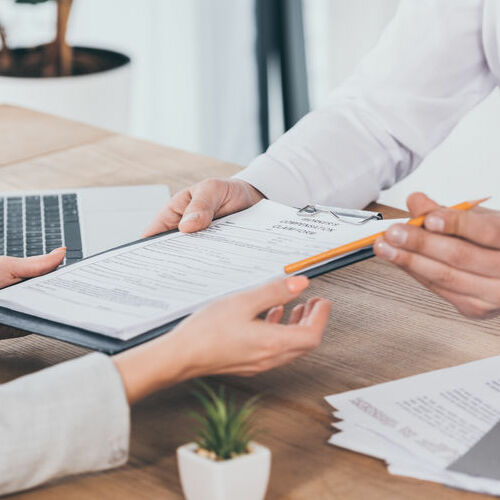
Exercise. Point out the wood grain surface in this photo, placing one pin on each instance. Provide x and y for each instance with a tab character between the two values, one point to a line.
384	326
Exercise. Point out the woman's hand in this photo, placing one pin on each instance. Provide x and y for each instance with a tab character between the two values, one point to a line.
456	254
195	207
228	337
14	269
231	338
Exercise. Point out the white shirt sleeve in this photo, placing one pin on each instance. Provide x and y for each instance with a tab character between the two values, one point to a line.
427	70
67	419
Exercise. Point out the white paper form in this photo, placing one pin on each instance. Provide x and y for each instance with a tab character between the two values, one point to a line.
439	426
436	416
402	463
131	290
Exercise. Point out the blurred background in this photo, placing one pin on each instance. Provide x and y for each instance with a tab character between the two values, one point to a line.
225	77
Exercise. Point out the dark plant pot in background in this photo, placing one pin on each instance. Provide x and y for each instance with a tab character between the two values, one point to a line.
97	92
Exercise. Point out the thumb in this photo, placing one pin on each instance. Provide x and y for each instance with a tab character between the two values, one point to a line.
35	266
198	215
273	294
206	199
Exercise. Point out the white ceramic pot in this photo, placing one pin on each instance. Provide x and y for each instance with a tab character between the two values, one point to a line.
101	99
241	478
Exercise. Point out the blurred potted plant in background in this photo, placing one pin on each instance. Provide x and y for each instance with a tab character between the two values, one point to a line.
224	463
83	83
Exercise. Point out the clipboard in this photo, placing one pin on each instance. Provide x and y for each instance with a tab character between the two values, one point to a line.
108	345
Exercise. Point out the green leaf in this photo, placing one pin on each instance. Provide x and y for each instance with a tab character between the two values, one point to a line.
224	428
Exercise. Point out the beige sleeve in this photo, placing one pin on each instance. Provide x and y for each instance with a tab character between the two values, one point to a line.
67	419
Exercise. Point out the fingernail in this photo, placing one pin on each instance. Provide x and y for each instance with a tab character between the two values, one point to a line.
397	235
385	251
296	284
189	217
434	223
59	250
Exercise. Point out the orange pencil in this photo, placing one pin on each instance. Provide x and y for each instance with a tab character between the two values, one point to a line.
364	242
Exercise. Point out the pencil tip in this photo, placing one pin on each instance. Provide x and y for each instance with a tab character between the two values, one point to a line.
482	200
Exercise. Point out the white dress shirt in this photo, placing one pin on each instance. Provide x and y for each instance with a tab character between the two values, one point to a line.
436	60
67	419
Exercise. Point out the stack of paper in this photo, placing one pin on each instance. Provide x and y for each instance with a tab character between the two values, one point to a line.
440	426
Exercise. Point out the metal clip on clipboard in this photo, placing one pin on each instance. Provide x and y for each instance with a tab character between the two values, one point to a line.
347	215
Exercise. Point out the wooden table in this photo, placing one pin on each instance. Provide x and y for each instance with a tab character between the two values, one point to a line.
384	326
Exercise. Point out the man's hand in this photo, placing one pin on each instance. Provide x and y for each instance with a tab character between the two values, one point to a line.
194	208
13	270
456	254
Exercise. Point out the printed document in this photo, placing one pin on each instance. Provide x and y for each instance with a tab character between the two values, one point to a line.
441	426
130	290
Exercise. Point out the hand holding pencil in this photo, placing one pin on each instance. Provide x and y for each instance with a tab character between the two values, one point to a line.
364	242
456	254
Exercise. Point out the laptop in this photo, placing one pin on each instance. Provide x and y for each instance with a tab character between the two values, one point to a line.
86	221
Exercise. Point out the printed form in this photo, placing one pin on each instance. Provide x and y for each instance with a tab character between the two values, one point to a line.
127	291
441	426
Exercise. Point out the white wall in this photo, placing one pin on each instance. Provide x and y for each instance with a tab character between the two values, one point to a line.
194	71
195	85
466	165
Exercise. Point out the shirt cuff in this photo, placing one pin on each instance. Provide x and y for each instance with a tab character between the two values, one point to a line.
276	182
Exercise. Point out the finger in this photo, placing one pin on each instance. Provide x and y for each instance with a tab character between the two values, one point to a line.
308	309
29	267
168	218
275	314
439	273
286	342
420	204
471	307
273	294
317	319
296	314
480	226
297	338
456	252
308	333
206	198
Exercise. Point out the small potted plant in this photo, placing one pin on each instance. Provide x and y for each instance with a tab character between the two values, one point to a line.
90	84
224	463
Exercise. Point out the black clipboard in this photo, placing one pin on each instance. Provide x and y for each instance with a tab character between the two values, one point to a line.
108	345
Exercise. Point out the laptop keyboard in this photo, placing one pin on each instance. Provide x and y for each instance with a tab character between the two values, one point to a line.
34	225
